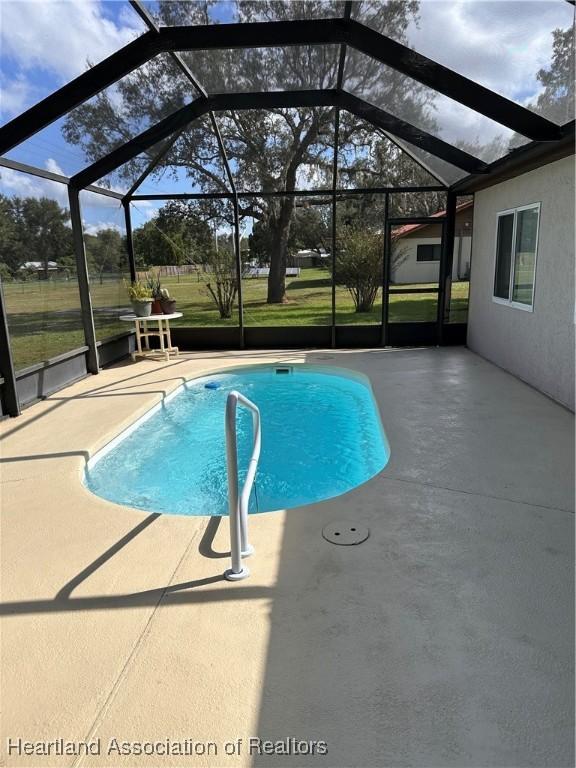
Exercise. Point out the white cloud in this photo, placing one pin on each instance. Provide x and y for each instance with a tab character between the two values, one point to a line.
17	184
458	123
146	209
93	229
501	44
17	95
94	200
61	36
53	167
47	43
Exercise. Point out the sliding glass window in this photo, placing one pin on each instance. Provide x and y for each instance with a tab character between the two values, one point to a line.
515	263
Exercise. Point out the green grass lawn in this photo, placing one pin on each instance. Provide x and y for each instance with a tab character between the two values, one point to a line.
44	317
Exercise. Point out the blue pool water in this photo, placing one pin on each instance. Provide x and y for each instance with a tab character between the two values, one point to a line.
321	436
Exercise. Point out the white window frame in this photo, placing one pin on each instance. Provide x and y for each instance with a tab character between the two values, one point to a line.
509	302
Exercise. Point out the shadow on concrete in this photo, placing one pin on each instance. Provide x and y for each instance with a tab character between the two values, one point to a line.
205	547
319	682
434	643
171	594
174	594
68	588
37	456
22	422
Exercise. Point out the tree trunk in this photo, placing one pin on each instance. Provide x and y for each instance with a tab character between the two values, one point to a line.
280	230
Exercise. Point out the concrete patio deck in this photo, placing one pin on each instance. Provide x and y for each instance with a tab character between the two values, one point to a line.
445	639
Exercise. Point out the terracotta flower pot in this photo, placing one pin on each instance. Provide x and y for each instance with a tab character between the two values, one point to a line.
156	306
168	306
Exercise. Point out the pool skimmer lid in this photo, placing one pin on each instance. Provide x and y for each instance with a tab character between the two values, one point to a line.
345	533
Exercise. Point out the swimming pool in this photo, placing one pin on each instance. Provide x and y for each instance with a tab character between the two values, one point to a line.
321	436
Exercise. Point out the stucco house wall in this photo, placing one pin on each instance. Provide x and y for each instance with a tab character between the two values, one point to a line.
407	269
537	346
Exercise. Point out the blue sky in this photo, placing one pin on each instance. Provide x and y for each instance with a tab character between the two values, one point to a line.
46	43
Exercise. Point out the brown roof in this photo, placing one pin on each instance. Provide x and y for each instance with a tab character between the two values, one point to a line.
408	228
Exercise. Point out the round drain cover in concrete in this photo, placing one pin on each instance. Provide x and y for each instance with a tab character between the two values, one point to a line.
345	533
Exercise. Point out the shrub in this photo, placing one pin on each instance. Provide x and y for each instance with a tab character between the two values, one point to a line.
359	265
5	272
223	288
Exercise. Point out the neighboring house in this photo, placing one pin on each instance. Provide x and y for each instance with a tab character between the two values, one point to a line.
41	268
309	258
521	313
416	249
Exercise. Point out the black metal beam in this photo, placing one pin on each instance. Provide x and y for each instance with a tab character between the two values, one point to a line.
259	34
404	130
291	193
92	362
193	80
144	14
334	211
9	392
165	40
445	267
198	87
160	155
275	100
78	91
444	80
238	259
187	114
141	143
129	240
223	153
373	44
152	26
386	261
342	58
43	174
403	291
339	81
271	34
185	196
412	155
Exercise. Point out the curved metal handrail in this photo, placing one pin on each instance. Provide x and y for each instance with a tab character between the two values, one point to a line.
238	506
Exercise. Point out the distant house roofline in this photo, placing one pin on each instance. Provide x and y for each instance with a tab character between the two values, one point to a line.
409	228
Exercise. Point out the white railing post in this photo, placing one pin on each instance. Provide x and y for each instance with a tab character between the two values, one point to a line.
238	506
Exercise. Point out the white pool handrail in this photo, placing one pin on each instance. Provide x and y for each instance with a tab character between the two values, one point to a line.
238	507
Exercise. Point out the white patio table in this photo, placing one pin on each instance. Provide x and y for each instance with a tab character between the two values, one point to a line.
144	333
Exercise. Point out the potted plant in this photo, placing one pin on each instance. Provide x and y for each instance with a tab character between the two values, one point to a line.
168	304
141	298
155	286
